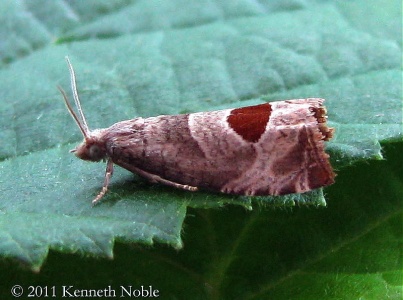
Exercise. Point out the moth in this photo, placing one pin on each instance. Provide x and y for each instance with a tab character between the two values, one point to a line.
274	148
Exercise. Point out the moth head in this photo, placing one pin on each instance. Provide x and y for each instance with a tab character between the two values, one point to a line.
91	149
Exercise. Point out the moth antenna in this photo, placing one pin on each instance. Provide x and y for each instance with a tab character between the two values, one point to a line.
75	95
72	113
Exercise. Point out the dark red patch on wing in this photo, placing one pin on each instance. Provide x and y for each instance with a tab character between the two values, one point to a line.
250	122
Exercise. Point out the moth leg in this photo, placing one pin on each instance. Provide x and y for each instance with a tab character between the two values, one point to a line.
108	175
158	179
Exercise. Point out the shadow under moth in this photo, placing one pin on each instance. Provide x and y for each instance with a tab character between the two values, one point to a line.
273	148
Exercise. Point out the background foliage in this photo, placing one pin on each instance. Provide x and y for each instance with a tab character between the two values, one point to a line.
144	58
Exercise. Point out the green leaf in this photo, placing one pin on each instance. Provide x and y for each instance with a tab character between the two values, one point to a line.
145	58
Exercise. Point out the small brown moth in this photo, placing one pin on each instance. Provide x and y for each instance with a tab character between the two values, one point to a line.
274	148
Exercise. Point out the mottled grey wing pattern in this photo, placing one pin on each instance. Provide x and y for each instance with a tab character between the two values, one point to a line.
202	150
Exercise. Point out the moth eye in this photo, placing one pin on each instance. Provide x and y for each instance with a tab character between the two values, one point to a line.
95	152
